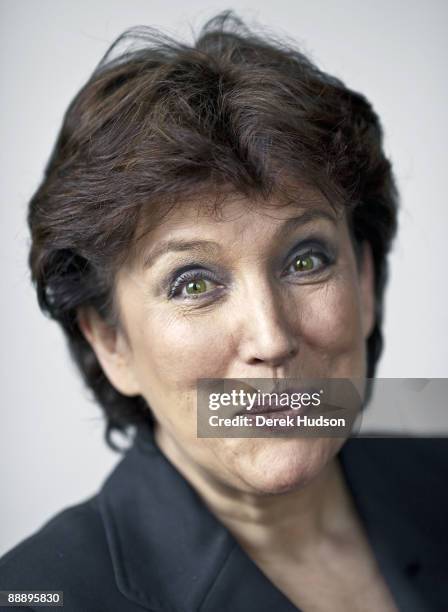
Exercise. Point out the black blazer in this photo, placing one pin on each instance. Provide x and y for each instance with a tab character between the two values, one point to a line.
147	542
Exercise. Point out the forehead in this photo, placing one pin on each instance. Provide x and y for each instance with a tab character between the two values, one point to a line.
233	217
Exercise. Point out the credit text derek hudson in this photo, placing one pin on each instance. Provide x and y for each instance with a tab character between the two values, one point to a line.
259	420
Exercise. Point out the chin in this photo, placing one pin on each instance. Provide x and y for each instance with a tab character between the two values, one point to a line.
279	466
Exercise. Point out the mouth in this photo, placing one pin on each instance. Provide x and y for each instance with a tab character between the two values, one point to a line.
289	404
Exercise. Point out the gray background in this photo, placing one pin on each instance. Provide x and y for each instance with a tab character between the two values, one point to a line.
51	448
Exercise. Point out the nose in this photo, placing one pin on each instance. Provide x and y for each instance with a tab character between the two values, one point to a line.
267	334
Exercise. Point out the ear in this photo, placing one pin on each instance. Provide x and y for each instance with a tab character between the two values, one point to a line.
111	349
367	288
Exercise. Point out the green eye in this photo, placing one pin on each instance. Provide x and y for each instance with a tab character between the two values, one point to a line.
196	287
304	263
309	262
194	283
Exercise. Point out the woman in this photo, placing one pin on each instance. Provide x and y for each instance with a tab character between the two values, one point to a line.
225	211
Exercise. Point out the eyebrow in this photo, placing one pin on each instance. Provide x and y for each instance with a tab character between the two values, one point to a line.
202	247
210	247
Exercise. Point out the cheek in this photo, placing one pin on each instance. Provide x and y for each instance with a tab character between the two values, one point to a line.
175	350
330	317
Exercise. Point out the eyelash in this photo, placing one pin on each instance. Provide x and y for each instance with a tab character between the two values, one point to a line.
193	273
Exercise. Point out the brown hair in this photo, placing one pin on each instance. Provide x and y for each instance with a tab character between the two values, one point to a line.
160	120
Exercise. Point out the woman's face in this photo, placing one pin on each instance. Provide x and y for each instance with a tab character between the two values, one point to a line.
257	293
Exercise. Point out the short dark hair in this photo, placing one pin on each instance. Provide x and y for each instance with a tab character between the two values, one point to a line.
159	120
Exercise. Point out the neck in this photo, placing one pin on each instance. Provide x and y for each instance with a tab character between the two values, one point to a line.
266	524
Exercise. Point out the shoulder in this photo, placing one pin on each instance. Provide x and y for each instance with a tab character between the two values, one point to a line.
69	553
72	539
49	540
